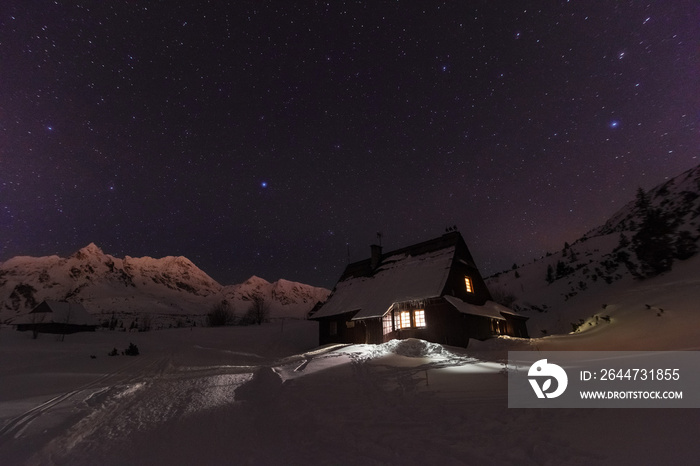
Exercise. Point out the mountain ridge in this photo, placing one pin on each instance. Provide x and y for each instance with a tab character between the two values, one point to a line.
170	286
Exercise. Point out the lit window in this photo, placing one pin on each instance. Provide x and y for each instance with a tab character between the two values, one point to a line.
386	324
419	318
405	320
468	285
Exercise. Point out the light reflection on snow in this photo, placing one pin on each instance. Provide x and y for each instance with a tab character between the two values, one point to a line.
214	391
480	367
130	390
396	355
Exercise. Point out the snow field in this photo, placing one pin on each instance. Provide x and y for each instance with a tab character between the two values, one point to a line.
266	395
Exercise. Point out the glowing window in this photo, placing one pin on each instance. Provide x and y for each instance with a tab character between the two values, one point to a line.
419	318
468	285
405	321
386	323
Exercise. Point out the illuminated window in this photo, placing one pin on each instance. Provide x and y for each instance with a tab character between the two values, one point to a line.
419	318
405	321
386	324
468	285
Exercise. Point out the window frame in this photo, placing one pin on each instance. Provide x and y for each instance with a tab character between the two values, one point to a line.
388	323
468	284
404	319
419	318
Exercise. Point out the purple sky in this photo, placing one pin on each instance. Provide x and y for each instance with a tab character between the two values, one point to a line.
269	138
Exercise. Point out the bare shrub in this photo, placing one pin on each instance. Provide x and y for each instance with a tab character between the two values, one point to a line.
221	314
258	312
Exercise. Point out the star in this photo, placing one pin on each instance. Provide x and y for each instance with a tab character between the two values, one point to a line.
399	114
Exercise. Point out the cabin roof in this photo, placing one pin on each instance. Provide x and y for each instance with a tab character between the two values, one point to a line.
489	309
416	272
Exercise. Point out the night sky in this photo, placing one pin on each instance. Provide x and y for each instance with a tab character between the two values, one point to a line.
276	138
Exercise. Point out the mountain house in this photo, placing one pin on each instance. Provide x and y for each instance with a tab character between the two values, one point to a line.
57	317
431	290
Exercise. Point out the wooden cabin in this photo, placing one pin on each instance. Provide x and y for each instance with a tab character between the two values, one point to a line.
432	291
59	317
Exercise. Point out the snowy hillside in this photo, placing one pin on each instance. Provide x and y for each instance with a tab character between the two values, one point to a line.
679	198
653	240
169	290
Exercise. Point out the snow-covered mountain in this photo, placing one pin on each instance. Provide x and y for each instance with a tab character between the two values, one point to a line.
172	288
652	239
678	198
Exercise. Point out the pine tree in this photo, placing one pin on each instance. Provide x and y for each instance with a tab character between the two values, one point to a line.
550	274
624	242
653	244
642	204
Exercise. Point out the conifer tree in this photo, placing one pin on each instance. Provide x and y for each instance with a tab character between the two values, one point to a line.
653	243
642	203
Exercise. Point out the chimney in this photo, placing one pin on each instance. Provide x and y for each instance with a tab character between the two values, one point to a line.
376	255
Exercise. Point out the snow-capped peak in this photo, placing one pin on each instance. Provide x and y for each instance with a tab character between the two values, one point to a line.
256	281
172	286
90	250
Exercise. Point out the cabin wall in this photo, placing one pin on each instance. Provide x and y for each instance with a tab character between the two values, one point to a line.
477	327
443	324
373	331
341	329
516	327
463	266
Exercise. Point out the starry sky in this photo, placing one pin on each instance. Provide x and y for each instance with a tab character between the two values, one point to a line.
276	138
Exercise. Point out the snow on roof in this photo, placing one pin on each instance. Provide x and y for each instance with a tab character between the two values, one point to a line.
488	309
60	312
400	277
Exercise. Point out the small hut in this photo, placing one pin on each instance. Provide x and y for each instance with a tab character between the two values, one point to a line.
59	317
431	290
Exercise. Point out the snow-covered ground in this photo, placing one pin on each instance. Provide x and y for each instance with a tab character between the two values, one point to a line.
267	395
